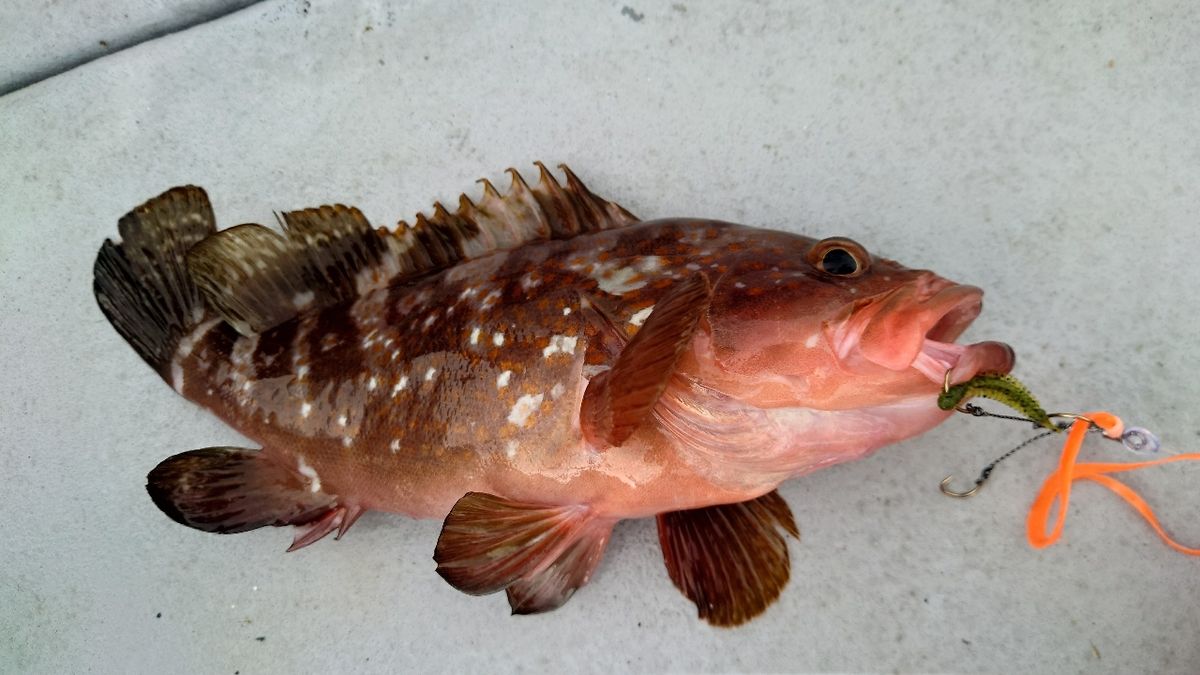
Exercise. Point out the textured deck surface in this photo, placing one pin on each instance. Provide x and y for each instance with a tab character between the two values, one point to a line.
1049	155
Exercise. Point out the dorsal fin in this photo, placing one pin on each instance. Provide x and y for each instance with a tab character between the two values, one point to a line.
257	279
250	275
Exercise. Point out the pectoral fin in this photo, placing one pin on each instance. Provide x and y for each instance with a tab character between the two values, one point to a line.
540	554
619	400
730	560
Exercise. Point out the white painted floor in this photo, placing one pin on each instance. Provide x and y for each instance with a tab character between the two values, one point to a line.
1050	154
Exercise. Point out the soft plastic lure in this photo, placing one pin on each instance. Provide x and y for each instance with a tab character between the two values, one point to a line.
999	387
1056	489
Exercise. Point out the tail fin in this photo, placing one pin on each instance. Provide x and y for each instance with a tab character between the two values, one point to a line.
142	284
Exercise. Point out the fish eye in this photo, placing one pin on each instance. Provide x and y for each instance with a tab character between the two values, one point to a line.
839	257
839	261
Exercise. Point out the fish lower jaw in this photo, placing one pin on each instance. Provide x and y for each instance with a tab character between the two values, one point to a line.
962	361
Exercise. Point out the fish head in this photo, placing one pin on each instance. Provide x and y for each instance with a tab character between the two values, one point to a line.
837	328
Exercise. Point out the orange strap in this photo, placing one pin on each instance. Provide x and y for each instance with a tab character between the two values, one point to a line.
1058	485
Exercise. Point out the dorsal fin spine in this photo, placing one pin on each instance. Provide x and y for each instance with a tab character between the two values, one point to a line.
332	254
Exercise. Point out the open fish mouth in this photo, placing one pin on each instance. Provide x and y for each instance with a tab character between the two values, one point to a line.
939	353
915	326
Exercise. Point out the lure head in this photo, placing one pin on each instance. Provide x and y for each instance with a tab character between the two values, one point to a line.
836	328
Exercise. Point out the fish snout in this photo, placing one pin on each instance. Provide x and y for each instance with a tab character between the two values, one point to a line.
927	285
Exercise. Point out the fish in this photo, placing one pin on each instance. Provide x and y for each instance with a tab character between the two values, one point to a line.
532	368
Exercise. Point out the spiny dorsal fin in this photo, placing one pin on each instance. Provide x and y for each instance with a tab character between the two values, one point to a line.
257	279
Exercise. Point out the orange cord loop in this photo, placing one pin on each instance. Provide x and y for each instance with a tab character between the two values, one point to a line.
1057	487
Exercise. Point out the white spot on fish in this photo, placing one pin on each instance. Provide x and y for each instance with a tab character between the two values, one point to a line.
523	408
639	317
498	339
177	376
305	409
528	281
395	445
246	385
430	319
621	281
692	266
342	420
401	385
489	299
302	300
812	341
372	383
302	372
346	441
650	263
566	311
560	343
475	335
189	341
309	473
469	291
503	378
510	449
430	373
557	390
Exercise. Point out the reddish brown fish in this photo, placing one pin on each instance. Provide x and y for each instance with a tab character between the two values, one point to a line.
532	368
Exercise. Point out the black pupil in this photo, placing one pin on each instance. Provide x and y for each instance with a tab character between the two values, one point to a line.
839	261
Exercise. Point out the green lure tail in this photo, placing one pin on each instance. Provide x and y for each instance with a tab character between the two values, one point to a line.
1002	388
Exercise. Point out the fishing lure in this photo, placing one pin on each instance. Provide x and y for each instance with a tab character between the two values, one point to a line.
1000	387
1056	489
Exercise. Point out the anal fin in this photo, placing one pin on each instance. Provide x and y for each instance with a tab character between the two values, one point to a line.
730	560
227	490
539	554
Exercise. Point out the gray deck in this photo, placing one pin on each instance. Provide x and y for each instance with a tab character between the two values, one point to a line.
1050	155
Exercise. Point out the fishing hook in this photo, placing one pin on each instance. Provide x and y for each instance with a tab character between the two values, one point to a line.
956	494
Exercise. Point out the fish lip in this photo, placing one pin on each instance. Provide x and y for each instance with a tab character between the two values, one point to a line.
940	355
960	305
940	310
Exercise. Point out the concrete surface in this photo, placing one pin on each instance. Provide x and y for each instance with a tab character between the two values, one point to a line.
1048	154
41	38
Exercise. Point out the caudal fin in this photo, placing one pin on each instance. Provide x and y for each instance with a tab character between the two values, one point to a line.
227	490
142	283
